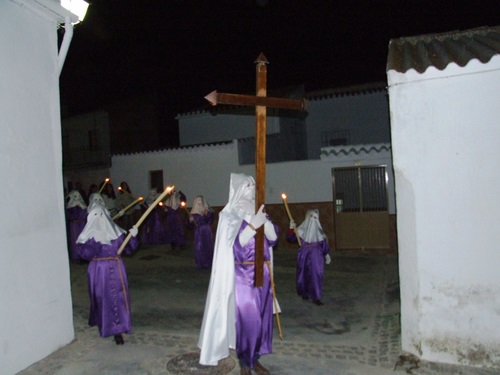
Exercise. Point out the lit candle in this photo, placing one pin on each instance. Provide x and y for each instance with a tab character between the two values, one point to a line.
183	204
102	187
283	196
129	207
144	215
124	191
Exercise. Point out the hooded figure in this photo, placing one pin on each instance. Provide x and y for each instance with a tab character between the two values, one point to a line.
76	215
312	255
99	243
200	219
96	198
152	231
124	199
175	228
237	314
152	196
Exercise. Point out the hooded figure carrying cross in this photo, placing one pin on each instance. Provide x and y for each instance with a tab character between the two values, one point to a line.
239	306
238	315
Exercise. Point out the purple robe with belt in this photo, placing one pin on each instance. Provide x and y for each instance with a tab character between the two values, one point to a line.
310	268
175	229
77	218
203	239
254	305
108	285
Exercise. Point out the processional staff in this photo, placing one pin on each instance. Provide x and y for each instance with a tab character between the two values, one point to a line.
128	207
144	215
283	196
104	184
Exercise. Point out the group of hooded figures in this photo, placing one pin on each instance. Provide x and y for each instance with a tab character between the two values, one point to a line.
164	225
238	315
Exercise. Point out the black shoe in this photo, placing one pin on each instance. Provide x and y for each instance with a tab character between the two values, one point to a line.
119	339
318	302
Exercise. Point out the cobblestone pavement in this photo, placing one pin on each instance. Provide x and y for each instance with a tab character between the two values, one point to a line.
356	332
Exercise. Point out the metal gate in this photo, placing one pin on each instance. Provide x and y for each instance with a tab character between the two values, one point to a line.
361	217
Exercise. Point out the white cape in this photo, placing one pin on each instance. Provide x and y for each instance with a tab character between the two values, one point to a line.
218	329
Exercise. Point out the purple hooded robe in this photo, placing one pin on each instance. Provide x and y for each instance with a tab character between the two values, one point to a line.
203	239
107	277
237	314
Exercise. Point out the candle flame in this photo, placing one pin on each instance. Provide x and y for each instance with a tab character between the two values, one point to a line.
283	196
140	198
169	189
119	188
104	184
183	204
160	204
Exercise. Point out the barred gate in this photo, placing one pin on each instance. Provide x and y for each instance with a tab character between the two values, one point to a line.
361	218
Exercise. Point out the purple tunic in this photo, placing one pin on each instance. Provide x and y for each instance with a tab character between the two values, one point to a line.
108	285
310	269
175	229
203	239
77	218
152	231
254	305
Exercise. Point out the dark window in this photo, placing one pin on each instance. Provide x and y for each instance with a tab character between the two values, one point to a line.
360	189
335	138
156	180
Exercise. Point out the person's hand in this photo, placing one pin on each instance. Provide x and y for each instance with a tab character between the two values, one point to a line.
292	224
258	219
121	213
133	231
191	218
328	260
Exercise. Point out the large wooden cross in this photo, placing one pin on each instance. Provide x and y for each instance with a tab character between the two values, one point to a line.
261	101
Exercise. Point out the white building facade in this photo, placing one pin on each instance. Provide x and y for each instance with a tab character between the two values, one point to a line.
35	301
445	133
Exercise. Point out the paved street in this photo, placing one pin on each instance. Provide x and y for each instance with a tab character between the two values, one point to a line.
356	332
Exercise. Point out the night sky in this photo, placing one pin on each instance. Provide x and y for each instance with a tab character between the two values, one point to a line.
180	50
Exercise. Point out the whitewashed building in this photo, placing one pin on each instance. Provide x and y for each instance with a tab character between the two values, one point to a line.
445	124
35	300
351	115
311	175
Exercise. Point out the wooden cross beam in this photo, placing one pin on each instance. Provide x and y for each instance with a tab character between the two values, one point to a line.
261	102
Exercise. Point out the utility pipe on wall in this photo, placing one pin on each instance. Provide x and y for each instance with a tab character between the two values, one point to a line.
68	35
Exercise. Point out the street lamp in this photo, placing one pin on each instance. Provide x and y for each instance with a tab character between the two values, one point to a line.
77	7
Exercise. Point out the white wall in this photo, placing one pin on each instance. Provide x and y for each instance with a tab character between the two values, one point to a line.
205	170
445	141
35	300
193	170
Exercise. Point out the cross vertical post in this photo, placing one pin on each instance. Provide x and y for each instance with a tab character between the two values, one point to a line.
260	163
